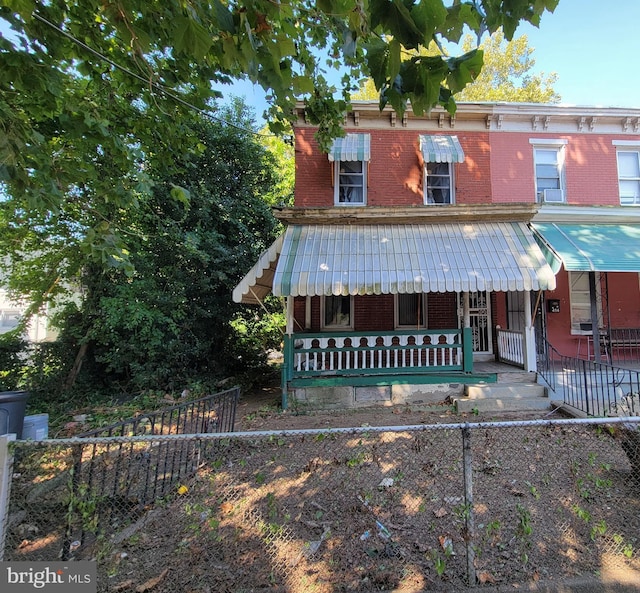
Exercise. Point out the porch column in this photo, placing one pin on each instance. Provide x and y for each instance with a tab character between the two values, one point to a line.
289	316
529	344
466	316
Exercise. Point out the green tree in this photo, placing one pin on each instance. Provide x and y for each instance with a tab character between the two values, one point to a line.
94	95
507	73
172	320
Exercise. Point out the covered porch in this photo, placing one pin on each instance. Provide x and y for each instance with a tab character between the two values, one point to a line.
369	268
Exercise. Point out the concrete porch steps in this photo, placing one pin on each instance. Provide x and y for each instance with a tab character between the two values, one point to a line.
514	396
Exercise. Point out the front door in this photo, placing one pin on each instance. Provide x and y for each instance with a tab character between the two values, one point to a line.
480	316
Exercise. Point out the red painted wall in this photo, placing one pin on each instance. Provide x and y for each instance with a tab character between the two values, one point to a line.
591	169
624	310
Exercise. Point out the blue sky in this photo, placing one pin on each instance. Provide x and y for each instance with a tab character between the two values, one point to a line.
593	46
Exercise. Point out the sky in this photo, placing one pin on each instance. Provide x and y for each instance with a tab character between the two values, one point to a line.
592	45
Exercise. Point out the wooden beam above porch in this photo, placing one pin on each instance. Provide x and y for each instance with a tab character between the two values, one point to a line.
408	214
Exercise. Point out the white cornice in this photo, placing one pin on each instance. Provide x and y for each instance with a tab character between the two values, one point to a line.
500	117
583	214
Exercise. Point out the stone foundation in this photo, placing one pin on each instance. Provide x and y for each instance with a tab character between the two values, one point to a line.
347	397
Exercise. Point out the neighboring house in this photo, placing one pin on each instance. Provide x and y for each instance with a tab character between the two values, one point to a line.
10	313
420	246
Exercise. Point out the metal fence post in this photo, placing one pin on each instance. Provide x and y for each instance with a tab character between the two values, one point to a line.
6	471
587	395
469	536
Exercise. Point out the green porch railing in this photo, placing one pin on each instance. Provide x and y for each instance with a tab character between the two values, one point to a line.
377	353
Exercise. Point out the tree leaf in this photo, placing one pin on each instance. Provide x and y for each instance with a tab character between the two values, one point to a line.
191	37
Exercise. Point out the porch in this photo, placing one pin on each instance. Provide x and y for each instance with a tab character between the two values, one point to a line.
428	367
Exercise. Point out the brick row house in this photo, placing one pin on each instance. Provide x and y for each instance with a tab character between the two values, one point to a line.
420	247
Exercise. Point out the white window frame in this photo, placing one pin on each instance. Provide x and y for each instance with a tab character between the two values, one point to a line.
9	319
559	147
580	301
629	147
396	307
338	325
452	185
337	185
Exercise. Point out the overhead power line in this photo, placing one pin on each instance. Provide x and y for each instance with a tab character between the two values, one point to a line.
155	85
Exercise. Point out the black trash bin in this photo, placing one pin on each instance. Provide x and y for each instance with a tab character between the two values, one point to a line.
12	408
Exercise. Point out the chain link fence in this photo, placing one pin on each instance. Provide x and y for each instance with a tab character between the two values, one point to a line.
434	507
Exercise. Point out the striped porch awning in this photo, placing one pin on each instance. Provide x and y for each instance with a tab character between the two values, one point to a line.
353	147
590	247
325	260
441	149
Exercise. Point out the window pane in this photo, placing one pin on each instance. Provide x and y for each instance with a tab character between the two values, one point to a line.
547	157
9	319
628	165
337	311
629	192
410	310
351	194
580	299
351	182
547	171
544	183
438	183
351	167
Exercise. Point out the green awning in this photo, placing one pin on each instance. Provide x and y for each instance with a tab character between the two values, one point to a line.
441	149
353	147
590	247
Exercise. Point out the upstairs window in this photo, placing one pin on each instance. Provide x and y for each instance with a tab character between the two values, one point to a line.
629	177
350	156
439	154
549	168
351	187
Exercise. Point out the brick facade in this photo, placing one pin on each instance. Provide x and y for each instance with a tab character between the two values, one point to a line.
498	168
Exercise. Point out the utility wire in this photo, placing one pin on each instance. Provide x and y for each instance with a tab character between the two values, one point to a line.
153	84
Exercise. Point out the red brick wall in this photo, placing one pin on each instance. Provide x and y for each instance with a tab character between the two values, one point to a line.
376	312
498	168
394	172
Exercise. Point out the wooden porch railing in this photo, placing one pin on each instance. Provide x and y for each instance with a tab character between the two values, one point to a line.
511	347
373	353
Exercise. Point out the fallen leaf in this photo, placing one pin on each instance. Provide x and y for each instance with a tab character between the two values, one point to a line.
447	545
535	576
441	512
486	577
151	583
226	507
123	585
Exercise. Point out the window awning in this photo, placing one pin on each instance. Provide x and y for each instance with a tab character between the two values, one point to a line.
329	260
353	147
590	247
441	149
